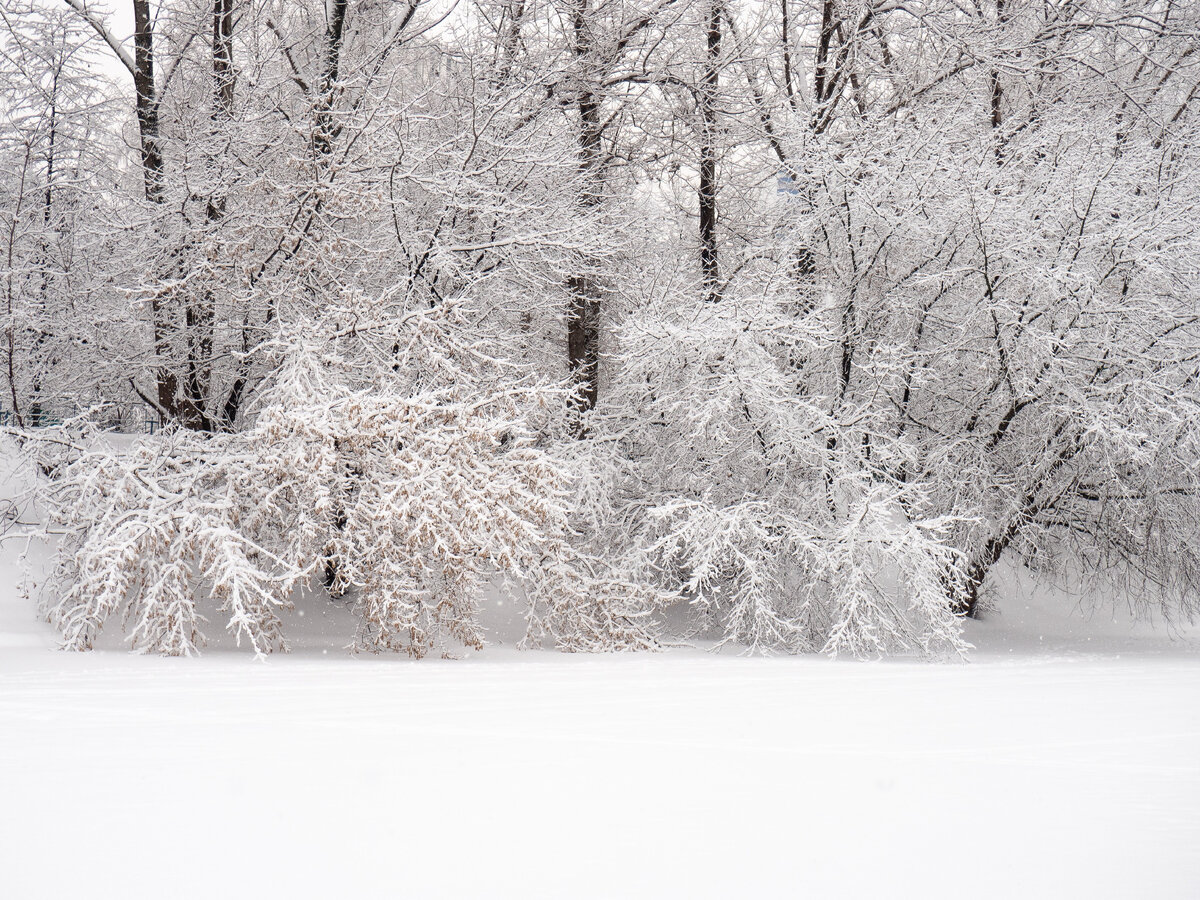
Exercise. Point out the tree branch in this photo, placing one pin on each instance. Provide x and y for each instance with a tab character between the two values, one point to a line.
98	25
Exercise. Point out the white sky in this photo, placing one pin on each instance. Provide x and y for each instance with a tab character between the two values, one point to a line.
118	16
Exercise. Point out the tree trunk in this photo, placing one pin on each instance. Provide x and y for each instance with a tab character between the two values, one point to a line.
710	267
146	103
200	312
996	90
153	181
583	309
509	37
324	131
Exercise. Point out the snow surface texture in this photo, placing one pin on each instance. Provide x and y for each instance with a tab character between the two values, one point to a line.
1063	761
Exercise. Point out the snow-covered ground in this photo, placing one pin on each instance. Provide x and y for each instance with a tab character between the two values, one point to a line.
1063	761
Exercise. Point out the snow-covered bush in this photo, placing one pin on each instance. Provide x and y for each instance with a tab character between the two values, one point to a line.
409	486
740	492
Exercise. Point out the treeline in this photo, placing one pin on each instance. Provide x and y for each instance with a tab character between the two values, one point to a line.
802	313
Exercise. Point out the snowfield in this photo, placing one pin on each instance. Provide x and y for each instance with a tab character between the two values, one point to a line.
819	315
1063	761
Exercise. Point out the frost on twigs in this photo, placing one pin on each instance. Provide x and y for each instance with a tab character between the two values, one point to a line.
866	582
409	488
745	497
578	604
885	579
146	529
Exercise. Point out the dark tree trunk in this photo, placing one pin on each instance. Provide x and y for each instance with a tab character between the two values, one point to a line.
200	313
583	344
788	78
36	410
824	80
146	102
583	309
153	180
324	130
224	80
710	267
996	89
509	37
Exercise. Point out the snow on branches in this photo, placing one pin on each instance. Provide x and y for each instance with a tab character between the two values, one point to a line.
141	527
752	502
610	310
408	491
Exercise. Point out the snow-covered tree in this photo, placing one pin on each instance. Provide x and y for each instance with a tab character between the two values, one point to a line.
802	315
412	485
